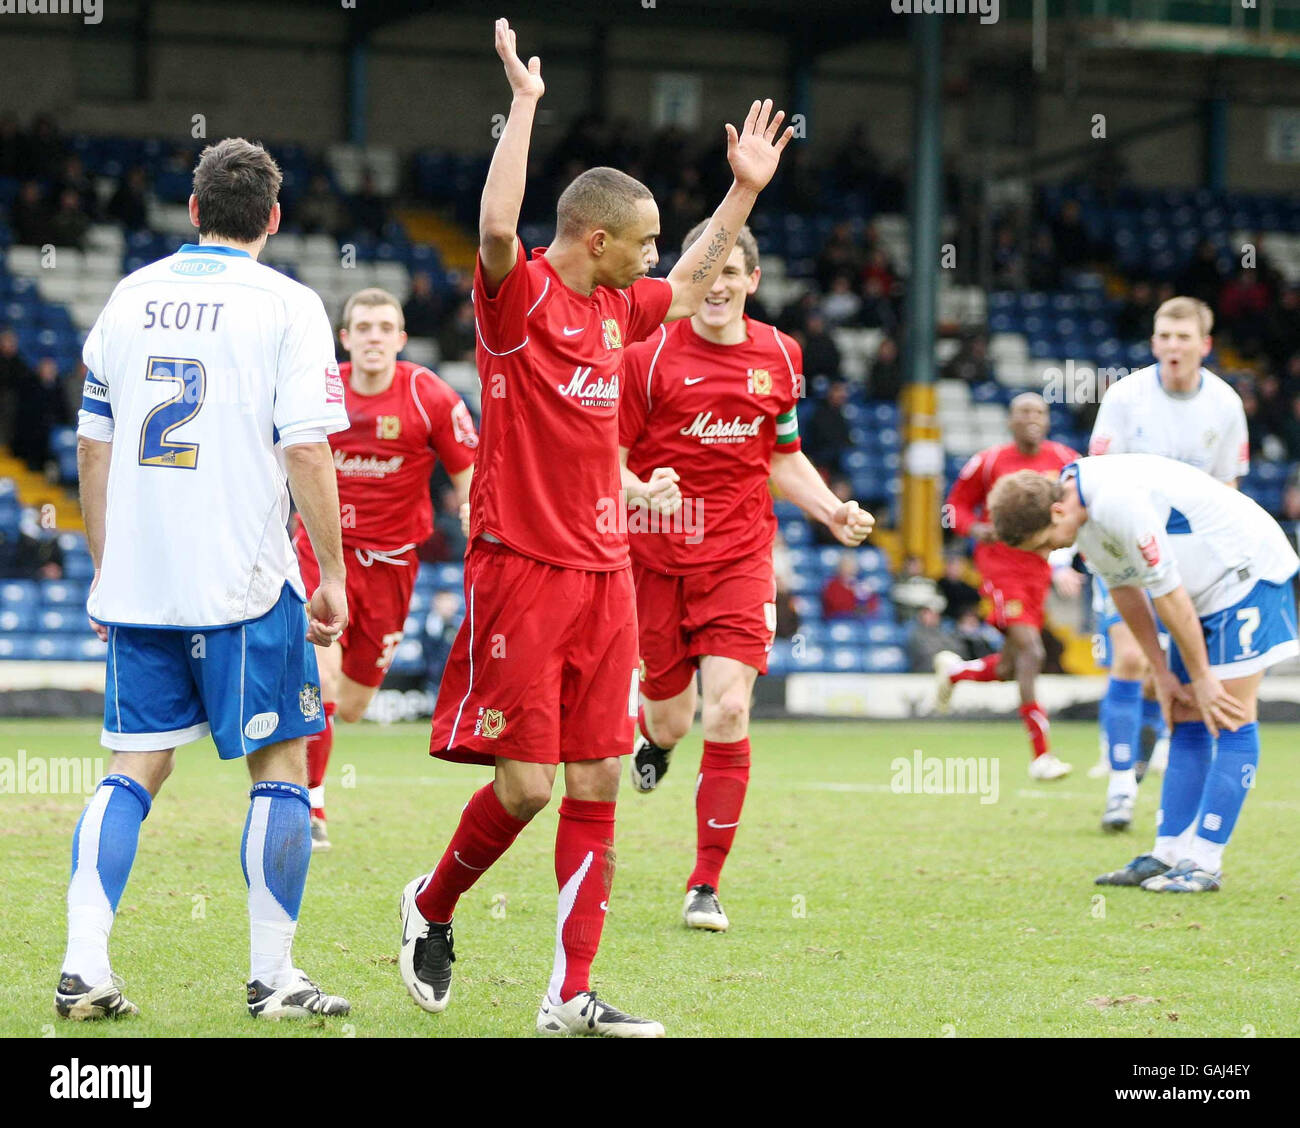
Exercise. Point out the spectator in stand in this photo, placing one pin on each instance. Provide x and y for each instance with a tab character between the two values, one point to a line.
841	305
796	182
976	639
423	307
927	636
913	589
971	361
885	381
839	256
1256	429
456	340
72	177
958	595
787	618
794	317
440	627
15	374
369	208
1009	271
879	270
69	224
826	438
821	355
1243	303
844	596
1201	277
130	203
1135	317
321	212
40	409
1291	502
448	525
1044	268
1282	328
878	309
29	217
37	554
1290	431
1073	246
73	385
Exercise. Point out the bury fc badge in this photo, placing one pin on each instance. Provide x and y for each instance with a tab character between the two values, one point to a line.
760	381
613	337
309	701
491	722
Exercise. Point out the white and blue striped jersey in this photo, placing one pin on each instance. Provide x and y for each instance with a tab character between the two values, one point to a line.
1157	523
1206	429
199	369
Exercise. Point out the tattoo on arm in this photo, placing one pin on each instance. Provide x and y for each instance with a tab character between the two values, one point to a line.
711	255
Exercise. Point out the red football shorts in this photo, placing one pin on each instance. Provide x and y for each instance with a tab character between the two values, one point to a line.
1015	597
544	666
728	611
379	597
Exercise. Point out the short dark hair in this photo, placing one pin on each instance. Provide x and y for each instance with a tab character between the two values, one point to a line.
599	198
1020	504
236	183
744	240
369	297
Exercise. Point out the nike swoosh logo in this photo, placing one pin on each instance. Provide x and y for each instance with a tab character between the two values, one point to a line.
572	332
604	906
723	826
406	916
695	381
463	862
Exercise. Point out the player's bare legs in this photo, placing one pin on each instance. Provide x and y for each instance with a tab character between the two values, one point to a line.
329	663
662	725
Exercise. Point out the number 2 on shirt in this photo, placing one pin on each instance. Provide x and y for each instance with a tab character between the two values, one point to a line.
191	380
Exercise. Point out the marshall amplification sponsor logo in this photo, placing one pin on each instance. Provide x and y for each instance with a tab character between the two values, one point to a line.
368	467
589	392
723	430
490	723
760	381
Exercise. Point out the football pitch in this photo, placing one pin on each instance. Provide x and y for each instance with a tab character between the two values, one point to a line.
858	906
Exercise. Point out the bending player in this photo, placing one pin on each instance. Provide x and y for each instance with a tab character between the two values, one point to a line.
544	668
1220	574
196	590
1178	409
1014	582
401	419
710	402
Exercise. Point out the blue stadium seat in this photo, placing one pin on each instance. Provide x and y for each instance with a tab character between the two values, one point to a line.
847	659
886	660
778	659
449	575
57	648
90	649
420	601
811	658
56	593
19	592
19	617
807	608
63	621
796	532
408	658
886	634
18	647
845	632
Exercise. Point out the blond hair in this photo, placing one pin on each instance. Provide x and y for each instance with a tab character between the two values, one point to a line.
1185	308
1021	504
372	296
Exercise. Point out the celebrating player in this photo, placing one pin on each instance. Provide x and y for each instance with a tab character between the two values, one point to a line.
1015	582
1178	409
1220	573
710	403
402	418
216	376
544	668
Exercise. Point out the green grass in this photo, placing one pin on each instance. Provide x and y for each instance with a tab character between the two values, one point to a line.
855	910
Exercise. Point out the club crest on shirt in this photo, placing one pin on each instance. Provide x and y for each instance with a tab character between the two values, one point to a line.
760	381
613	335
1013	608
309	701
388	426
490	723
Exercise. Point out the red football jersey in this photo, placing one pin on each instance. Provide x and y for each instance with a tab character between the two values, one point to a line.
385	457
968	501
550	361
710	412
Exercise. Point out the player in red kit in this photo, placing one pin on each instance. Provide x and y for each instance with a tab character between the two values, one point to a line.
707	418
402	418
1015	582
544	669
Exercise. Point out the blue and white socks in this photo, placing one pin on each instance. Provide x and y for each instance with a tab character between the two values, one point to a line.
1121	713
275	852
1191	751
1230	778
103	851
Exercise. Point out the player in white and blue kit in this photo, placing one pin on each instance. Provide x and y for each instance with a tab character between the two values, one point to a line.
1181	410
211	379
1221	576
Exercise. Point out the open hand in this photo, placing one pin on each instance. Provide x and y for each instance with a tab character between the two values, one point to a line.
755	152
524	80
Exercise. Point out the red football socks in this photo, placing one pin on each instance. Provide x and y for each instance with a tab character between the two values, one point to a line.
485	832
1038	725
319	747
584	871
719	796
981	669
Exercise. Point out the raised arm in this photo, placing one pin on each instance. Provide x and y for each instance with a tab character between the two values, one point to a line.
503	191
753	155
